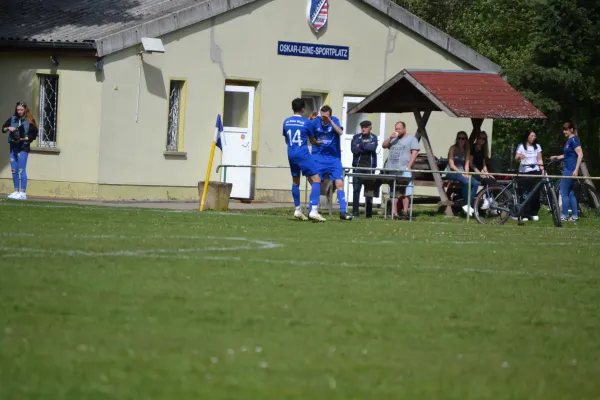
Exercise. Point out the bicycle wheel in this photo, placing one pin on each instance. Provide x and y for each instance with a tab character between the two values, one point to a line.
588	200
496	209
544	200
553	203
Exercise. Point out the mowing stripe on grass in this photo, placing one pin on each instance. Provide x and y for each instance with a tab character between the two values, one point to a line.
253	244
315	263
272	244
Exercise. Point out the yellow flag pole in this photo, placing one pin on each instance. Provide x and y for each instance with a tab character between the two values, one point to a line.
210	161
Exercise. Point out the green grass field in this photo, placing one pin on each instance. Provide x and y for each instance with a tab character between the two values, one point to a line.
111	303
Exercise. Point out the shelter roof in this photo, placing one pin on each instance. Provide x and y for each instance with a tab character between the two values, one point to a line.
462	94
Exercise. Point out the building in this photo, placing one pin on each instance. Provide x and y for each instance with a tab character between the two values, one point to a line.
121	123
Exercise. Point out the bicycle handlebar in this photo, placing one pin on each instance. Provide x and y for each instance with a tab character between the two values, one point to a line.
531	165
548	162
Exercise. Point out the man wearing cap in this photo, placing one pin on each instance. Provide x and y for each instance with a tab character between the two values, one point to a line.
364	150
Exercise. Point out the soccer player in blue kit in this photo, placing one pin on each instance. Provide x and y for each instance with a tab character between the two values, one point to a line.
297	131
328	155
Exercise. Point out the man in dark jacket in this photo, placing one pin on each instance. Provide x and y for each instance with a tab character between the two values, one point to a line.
364	150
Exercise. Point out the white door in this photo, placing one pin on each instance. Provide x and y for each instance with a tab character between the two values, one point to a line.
351	123
238	116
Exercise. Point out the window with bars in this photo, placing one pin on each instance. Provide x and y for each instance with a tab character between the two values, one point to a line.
48	112
175	111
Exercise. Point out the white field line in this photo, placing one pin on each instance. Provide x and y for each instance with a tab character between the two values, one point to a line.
270	243
251	244
576	243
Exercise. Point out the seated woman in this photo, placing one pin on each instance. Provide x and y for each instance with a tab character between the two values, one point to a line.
480	153
458	162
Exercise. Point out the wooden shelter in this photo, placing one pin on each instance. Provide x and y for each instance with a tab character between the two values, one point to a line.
460	94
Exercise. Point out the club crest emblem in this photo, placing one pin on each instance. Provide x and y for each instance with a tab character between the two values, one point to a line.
317	13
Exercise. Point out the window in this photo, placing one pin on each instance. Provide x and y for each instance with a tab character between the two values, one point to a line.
48	113
174	131
314	102
236	107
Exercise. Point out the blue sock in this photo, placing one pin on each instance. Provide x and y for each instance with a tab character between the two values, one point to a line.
341	195
296	195
315	195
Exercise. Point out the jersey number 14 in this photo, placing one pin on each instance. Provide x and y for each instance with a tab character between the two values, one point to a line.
296	139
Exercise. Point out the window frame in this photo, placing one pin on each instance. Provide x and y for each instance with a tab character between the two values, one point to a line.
41	114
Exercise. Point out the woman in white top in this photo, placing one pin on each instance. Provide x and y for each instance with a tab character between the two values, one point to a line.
530	155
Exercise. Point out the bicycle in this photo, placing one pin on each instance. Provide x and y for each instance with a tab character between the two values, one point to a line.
500	202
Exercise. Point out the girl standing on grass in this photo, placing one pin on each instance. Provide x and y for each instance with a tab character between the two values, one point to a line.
572	156
22	130
529	153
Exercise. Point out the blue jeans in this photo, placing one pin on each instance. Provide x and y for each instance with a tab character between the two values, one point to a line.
18	166
568	195
465	185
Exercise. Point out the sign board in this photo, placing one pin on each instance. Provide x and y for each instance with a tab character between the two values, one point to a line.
313	50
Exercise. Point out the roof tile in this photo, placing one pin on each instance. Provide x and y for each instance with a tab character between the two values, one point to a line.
476	95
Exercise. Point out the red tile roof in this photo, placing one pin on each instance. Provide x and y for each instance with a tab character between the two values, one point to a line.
462	94
476	94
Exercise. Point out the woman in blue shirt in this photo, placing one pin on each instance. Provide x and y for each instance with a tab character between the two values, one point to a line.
572	156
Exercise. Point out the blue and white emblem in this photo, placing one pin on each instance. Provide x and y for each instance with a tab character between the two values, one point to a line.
317	13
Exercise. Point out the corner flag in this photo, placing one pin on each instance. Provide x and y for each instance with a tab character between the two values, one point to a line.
216	143
219	132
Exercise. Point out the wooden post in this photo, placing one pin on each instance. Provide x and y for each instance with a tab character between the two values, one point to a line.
583	169
422	133
477	122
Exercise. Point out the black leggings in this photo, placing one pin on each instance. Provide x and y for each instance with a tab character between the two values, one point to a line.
526	185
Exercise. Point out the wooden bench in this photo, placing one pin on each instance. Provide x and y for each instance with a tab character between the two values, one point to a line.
449	188
372	184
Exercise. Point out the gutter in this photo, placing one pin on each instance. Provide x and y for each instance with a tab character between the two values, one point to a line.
89	46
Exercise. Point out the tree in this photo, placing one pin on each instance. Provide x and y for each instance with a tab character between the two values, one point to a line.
549	50
566	65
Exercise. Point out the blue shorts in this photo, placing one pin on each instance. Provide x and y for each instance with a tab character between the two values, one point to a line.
331	166
304	163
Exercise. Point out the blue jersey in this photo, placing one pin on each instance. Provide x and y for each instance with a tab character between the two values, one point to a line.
329	138
297	130
570	155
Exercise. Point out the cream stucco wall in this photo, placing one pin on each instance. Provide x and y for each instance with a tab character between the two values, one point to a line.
102	143
78	123
244	45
